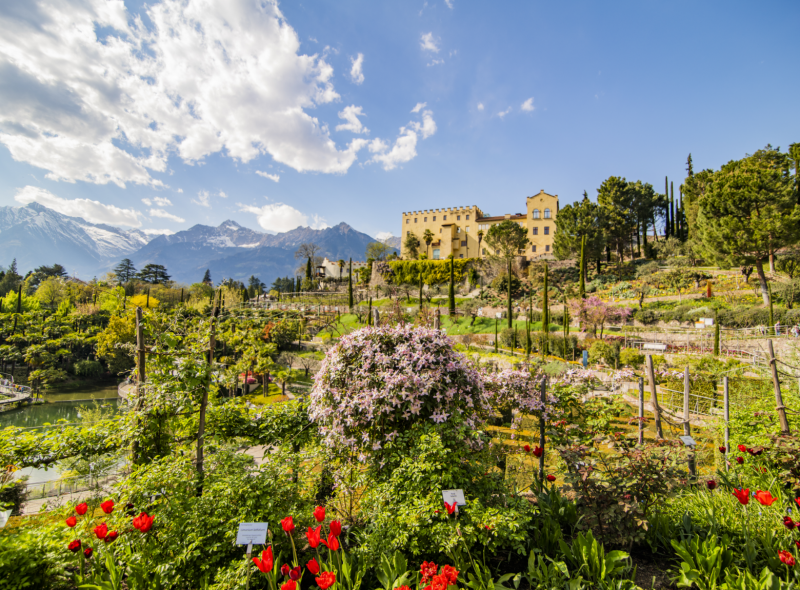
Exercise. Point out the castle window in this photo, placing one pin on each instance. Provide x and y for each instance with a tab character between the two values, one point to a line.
461	256
483	251
547	248
467	229
463	243
415	220
408	221
445	217
459	230
535	231
436	252
536	214
547	230
434	218
458	218
547	213
467	217
425	220
533	248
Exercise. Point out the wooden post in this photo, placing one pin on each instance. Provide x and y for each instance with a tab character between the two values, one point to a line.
201	426
777	384
641	410
687	426
542	428
726	400
654	397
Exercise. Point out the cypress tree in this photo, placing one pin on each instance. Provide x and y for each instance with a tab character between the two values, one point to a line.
420	290
369	312
181	295
452	293
350	287
545	316
508	282
716	335
308	269
672	207
582	284
666	197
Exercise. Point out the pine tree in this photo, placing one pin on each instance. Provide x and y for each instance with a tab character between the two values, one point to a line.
689	166
125	270
207	277
350	286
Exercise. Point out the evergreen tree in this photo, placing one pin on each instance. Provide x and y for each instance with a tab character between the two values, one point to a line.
508	239
716	323
672	209
154	274
689	166
616	198
666	208
575	222
350	286
207	277
749	210
125	270
451	296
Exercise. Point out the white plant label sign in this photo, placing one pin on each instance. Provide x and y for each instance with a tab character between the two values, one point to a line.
688	441
252	533
456	496
4	518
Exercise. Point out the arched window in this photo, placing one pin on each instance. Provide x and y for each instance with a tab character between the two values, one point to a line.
547	213
536	214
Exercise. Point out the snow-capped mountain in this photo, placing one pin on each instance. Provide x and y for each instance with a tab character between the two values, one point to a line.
36	235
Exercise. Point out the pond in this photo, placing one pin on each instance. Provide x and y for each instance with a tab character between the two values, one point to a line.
58	406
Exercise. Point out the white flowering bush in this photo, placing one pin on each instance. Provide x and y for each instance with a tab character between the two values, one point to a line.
378	383
519	390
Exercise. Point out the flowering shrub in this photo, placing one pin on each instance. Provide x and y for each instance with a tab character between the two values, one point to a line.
518	391
377	383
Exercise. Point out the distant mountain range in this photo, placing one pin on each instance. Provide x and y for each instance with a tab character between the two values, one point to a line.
36	235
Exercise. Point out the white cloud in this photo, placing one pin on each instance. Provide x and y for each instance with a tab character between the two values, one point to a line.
280	217
203	199
419	107
92	211
158	232
435	62
384	235
429	43
502	114
274	177
351	115
94	93
405	146
180	190
356	72
527	106
222	194
165	215
449	4
160	201
480	106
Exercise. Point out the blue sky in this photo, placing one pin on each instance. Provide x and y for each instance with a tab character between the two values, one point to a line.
162	116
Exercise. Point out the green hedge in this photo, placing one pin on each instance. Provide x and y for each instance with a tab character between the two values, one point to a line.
433	271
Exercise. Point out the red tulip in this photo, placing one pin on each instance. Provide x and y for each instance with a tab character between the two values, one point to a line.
326	580
742	449
266	562
765	498
313	567
319	513
450	507
403	588
294	573
788	522
285	569
722	449
111	537
332	543
71	521
101	531
527	448
288	525
74	546
797	543
81	508
742	495
551	477
451	574
108	506
797	501
289	585
428	570
755	452
739	460
787	558
87	553
336	528
313	536
538	451
143	522
711	484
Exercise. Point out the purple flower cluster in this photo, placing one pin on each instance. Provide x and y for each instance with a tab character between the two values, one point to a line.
376	382
518	390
